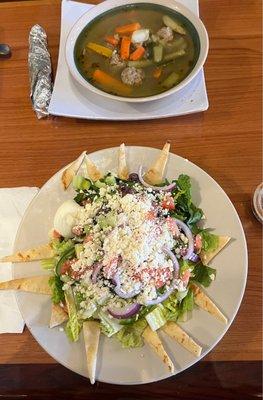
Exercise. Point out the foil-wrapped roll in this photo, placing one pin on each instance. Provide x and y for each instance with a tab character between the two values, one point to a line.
40	71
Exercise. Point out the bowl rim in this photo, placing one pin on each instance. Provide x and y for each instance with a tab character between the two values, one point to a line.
107	5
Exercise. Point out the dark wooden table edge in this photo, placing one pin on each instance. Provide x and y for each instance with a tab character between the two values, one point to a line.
206	380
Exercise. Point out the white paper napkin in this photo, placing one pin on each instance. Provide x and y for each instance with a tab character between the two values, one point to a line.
13	203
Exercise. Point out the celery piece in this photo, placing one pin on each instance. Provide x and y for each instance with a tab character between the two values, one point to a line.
140	63
171	81
175	26
158	53
102	221
172	56
99	184
78	249
111	219
87	229
110	180
77	181
81	183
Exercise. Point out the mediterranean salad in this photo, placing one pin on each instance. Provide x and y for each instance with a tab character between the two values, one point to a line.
127	253
128	257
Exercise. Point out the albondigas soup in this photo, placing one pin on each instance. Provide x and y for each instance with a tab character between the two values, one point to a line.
137	50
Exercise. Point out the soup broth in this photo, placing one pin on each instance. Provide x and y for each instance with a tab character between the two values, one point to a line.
137	50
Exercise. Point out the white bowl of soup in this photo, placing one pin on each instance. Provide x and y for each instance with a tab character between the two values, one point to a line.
136	51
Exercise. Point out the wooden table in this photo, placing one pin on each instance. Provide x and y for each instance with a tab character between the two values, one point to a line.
225	141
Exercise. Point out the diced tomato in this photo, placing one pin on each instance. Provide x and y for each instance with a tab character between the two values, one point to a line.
66	267
78	274
77	230
56	234
111	268
198	243
185	276
168	203
88	239
159	276
150	215
172	226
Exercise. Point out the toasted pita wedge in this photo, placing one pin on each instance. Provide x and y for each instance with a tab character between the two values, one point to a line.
123	172
33	284
155	343
176	332
58	316
72	170
206	257
92	170
156	172
91	332
37	253
203	301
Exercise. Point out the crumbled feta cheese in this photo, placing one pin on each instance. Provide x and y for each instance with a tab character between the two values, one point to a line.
133	246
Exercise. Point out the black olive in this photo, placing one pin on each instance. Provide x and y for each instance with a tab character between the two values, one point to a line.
124	189
134	177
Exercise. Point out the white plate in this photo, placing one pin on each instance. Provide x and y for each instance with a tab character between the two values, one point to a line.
117	365
70	99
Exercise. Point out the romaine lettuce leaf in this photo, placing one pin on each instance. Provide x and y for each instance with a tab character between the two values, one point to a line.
171	307
187	304
109	326
61	247
184	184
210	241
130	336
156	318
49	263
73	326
57	292
203	274
195	215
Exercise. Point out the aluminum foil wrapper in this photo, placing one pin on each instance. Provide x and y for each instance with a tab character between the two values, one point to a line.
40	71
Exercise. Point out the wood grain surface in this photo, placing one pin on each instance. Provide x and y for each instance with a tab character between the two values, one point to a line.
209	381
225	140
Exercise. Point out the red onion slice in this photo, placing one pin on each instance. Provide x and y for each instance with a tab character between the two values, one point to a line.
118	290
125	312
96	269
116	279
194	257
161	298
174	261
164	188
164	296
189	236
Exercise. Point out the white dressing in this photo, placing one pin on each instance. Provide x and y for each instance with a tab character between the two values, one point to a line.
66	218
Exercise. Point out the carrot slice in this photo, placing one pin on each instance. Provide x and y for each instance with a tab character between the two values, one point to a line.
125	48
111	83
157	73
127	29
112	40
137	54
